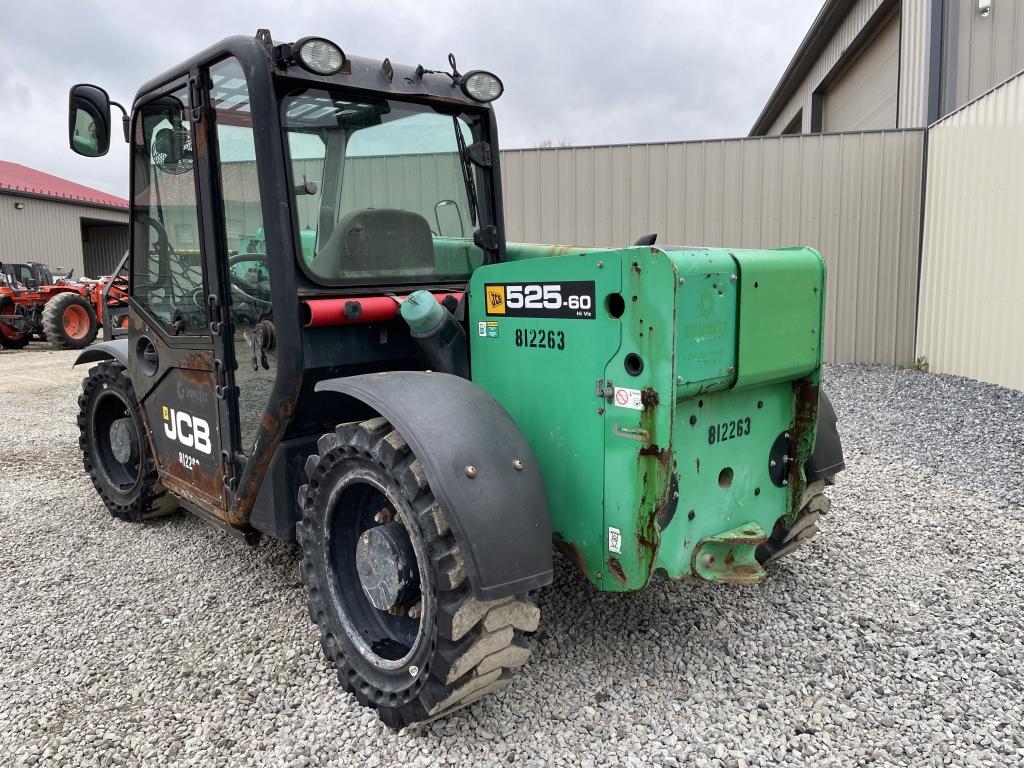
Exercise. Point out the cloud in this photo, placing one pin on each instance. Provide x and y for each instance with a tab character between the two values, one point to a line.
597	72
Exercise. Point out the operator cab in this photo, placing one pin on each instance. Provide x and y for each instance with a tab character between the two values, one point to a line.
282	196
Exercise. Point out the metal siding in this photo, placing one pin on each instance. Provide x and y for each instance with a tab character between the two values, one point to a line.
47	231
855	21
855	197
865	94
969	314
915	35
989	49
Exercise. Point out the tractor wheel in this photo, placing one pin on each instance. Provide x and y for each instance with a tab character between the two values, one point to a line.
69	321
786	538
387	587
12	339
115	451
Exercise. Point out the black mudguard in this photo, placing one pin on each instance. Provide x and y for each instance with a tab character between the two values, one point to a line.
105	350
827	457
500	514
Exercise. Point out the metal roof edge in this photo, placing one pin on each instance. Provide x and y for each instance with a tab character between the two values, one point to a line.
824	25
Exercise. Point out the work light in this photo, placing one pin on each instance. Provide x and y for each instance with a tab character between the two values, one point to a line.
319	56
482	86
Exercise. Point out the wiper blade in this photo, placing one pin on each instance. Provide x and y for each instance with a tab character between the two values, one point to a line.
467	171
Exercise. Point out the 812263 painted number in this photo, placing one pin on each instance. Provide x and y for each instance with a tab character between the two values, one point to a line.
728	430
538	338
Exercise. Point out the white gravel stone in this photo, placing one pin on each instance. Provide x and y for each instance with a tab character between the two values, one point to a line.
895	637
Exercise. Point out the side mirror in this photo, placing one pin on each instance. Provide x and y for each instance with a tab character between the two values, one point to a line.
89	120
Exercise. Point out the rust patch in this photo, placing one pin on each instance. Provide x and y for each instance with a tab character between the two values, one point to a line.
802	436
616	570
573	552
649	397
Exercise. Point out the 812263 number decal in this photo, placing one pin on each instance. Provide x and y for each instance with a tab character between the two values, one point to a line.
728	430
538	338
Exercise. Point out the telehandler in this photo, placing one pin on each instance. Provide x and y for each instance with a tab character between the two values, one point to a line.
421	406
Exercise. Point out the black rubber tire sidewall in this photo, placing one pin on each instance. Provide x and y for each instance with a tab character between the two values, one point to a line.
53	321
317	516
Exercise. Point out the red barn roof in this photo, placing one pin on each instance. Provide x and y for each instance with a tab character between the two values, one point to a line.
16	178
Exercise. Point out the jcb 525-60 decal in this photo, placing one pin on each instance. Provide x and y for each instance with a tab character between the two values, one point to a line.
573	299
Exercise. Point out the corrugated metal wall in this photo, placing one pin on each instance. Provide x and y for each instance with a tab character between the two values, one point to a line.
47	231
915	37
854	22
855	197
989	49
972	282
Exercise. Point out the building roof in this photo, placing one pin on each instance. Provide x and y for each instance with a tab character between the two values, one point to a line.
824	26
18	178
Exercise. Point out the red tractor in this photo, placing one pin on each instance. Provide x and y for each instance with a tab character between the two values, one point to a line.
57	309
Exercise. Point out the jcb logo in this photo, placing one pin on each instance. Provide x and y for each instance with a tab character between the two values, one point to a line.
190	431
495	299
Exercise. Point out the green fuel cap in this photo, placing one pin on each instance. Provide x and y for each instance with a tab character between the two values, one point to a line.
422	312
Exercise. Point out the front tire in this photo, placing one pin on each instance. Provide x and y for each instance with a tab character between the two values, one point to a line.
786	538
115	451
12	339
387	587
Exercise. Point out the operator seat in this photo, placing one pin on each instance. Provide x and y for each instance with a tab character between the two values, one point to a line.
377	241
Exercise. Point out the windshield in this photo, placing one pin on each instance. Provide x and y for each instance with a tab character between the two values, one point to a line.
383	193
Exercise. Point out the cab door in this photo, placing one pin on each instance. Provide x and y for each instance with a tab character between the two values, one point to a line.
176	349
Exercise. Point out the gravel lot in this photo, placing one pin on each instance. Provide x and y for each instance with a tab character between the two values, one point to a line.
895	638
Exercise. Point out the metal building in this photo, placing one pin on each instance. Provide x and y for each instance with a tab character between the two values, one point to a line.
57	222
878	64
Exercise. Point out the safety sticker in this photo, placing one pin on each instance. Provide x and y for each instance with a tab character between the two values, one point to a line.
629	398
487	329
615	540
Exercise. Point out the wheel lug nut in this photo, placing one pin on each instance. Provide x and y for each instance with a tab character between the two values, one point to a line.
470	471
414	611
518	465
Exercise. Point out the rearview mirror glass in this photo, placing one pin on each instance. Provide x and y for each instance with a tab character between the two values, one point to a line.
89	120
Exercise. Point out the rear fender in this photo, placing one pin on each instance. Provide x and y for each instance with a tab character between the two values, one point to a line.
827	457
468	447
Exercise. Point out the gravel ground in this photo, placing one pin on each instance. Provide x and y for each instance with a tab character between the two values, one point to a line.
895	638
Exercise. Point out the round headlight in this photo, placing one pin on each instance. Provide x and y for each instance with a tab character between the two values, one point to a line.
320	56
482	86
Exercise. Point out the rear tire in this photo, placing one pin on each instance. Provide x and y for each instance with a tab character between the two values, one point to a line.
115	451
786	538
69	321
437	648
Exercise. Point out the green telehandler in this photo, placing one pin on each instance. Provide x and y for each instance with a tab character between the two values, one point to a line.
423	407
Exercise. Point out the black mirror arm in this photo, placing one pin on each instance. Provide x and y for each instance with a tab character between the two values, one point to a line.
125	122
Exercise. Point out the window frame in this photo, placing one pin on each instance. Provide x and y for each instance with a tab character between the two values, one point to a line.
199	336
488	198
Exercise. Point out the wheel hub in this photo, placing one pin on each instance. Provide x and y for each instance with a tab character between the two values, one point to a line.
386	564
123	442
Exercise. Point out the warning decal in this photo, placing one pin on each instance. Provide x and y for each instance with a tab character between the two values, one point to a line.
615	540
487	329
629	398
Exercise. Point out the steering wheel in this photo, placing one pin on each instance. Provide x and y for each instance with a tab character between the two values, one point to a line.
246	288
163	242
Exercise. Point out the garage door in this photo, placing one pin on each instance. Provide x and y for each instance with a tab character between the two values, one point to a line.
864	97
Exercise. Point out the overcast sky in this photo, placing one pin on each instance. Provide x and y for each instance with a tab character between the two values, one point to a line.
579	71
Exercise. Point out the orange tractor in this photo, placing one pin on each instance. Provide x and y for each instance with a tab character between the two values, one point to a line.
67	313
